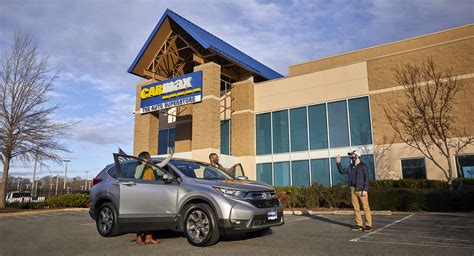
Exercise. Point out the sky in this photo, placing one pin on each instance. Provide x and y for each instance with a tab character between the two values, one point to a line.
92	43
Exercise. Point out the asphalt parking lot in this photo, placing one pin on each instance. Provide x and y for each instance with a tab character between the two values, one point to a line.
74	233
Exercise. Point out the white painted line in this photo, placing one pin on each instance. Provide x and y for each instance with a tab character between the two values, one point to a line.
440	245
424	237
380	229
291	221
87	224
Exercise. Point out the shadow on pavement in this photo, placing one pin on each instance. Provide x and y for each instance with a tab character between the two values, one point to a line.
327	220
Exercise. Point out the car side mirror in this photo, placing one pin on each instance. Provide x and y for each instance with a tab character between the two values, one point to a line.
168	178
242	178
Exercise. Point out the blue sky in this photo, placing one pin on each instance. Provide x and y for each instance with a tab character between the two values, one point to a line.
92	43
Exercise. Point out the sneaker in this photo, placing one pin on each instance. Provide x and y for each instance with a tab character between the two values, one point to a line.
357	228
368	228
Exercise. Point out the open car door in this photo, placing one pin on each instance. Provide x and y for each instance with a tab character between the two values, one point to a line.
237	172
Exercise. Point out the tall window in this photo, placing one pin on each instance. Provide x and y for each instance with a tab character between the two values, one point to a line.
166	140
369	161
359	116
263	134
414	168
300	173
225	137
338	128
281	142
320	171
338	178
264	173
465	166
318	131
299	129
282	173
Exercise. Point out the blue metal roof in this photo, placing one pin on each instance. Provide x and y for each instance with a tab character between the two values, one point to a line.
209	41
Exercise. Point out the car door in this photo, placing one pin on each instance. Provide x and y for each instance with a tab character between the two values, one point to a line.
236	171
144	200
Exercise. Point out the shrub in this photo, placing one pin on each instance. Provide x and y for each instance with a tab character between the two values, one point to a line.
70	200
396	199
445	200
410	183
341	197
28	205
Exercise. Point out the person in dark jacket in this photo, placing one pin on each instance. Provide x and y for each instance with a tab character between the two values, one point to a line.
359	183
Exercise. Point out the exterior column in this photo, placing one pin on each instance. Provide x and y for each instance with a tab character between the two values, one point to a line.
243	126
183	141
206	114
146	127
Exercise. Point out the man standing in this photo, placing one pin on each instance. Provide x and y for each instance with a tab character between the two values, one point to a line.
214	161
359	183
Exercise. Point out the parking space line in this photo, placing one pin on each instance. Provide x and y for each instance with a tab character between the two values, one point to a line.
387	233
380	229
450	245
87	224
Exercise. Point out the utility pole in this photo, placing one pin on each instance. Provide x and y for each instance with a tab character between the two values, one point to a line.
18	184
34	178
57	181
65	173
85	183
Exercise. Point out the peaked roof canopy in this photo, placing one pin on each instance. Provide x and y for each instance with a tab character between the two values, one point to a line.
178	34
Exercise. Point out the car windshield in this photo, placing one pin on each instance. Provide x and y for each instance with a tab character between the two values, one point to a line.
200	171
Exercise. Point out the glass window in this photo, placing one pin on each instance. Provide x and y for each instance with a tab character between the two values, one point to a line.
414	168
300	173
280	131
163	142
338	129
338	178
465	166
359	118
263	134
299	129
264	173
225	137
200	171
282	173
318	130
369	161
320	171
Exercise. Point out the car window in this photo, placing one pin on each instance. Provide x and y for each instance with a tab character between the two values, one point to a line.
112	172
200	171
137	169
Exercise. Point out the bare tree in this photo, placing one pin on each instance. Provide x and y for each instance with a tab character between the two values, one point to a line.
27	130
426	122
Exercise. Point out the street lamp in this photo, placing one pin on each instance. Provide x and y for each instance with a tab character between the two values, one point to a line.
65	173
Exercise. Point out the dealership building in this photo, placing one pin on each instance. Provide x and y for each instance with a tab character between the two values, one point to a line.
201	95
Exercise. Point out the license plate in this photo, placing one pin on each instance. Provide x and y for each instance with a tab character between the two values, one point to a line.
272	215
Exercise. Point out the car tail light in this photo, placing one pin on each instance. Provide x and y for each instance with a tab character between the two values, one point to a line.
96	180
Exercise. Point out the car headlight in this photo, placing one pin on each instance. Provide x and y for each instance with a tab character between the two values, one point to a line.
234	193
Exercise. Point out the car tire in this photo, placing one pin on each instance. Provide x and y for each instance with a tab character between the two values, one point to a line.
200	225
107	220
259	232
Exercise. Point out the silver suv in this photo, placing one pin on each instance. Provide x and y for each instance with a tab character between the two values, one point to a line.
189	196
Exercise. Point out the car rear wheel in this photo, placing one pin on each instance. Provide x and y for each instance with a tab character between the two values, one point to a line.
106	221
200	225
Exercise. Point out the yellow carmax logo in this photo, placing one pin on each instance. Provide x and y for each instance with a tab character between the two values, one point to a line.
180	84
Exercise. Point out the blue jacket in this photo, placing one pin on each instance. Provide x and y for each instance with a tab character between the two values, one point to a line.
358	175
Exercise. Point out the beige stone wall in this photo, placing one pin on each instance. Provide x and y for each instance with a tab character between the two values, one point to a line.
381	50
206	114
145	136
328	85
243	119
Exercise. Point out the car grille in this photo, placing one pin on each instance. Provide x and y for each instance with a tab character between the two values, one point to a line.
263	199
261	220
265	203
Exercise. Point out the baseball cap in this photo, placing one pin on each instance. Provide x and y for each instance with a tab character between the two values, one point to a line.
355	152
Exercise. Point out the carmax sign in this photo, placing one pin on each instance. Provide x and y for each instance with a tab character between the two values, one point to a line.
171	93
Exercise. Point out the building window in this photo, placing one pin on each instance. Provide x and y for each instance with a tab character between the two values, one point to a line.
282	174
413	168
338	127
263	134
359	118
166	140
225	137
369	161
281	141
299	129
318	130
264	173
300	173
320	171
338	178
465	166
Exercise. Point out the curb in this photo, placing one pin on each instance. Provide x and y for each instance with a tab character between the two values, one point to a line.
27	213
337	212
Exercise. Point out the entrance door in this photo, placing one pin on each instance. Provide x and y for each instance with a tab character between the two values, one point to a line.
144	195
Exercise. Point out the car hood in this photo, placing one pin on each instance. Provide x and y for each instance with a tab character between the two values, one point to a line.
248	185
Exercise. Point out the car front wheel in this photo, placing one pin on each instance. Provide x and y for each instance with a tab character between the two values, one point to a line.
200	225
106	220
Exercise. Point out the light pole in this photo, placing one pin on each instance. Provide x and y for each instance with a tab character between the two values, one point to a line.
57	181
85	183
65	173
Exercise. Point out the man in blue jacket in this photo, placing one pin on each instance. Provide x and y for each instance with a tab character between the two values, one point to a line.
359	182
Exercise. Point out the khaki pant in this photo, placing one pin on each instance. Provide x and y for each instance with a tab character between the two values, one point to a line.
356	198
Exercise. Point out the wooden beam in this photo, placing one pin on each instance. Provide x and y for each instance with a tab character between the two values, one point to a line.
199	60
153	75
